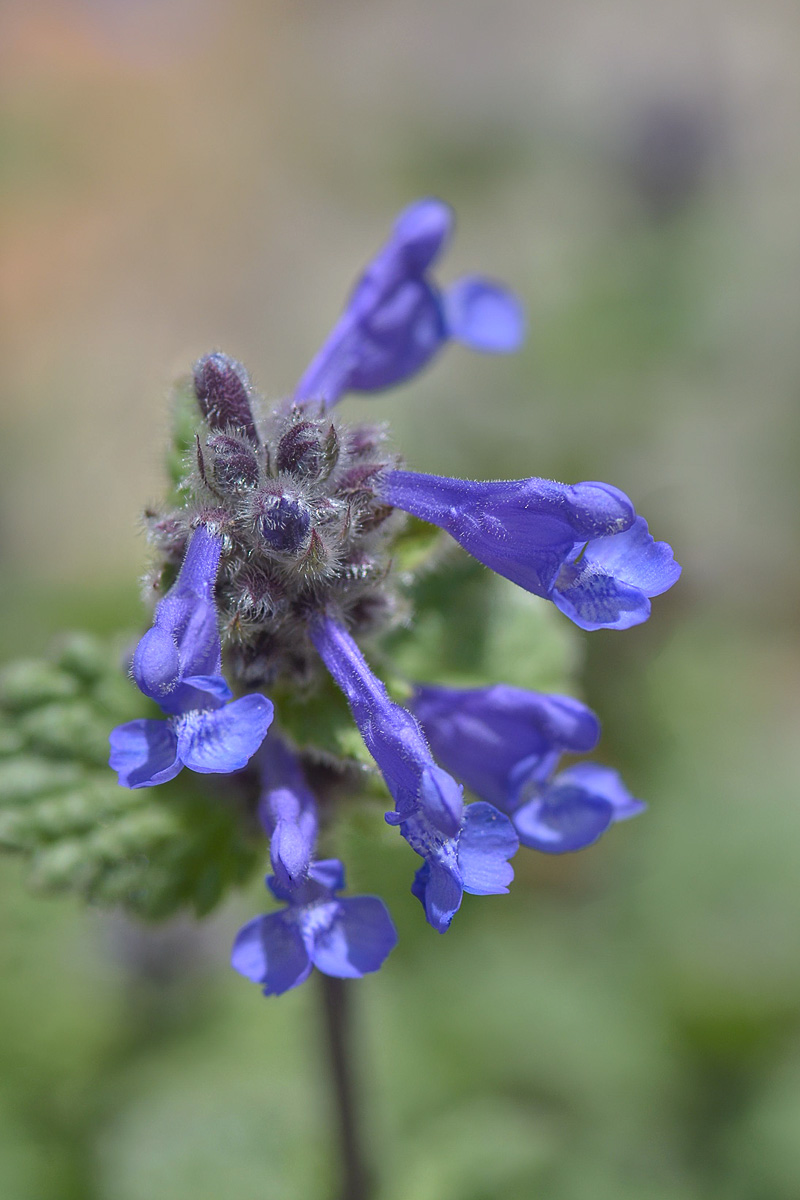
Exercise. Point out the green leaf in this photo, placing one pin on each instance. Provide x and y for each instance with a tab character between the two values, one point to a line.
26	683
152	850
321	724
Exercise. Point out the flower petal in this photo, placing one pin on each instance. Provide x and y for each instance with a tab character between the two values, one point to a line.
605	782
441	800
482	734
224	739
397	339
328	873
635	558
487	842
484	315
270	950
438	888
610	585
358	941
563	818
144	753
596	601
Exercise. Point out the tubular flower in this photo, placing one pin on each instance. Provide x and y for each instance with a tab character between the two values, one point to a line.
581	546
343	936
397	319
465	849
505	743
178	664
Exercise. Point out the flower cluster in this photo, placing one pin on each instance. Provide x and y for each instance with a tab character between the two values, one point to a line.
283	549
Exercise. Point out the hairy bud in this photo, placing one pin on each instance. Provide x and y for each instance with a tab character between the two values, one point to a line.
235	464
284	522
222	389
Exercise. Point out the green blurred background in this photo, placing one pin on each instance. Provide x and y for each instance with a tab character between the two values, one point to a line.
180	175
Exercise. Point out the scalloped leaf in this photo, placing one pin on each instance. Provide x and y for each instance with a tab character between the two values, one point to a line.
151	850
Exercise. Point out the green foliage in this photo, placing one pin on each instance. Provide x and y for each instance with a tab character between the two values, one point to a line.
150	850
471	628
185	419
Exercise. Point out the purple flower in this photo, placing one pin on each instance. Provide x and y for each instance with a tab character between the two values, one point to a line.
465	849
581	546
397	319
505	743
288	813
177	663
570	810
483	734
346	937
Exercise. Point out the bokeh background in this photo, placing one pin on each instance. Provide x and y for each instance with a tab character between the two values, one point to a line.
180	175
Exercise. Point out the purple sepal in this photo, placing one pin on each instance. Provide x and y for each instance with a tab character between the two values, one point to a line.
222	389
396	318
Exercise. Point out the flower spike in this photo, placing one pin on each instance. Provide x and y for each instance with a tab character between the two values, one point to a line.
397	319
581	546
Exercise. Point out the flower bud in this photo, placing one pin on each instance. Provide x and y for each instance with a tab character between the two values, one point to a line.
235	465
221	386
284	522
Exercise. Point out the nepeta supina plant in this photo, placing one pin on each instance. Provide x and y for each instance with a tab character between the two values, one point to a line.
277	565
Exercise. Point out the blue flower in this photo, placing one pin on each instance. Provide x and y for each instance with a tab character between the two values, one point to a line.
570	810
483	734
505	743
178	663
347	937
288	813
465	849
397	319
581	546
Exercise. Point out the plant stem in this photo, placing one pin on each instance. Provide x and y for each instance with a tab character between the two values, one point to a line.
356	1181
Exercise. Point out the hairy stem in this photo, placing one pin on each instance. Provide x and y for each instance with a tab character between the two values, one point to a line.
356	1180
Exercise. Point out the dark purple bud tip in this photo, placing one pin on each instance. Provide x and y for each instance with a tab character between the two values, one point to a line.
284	523
235	465
300	450
221	386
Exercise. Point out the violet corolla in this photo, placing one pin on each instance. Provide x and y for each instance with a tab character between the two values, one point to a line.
178	664
397	319
344	936
505	743
581	546
465	849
